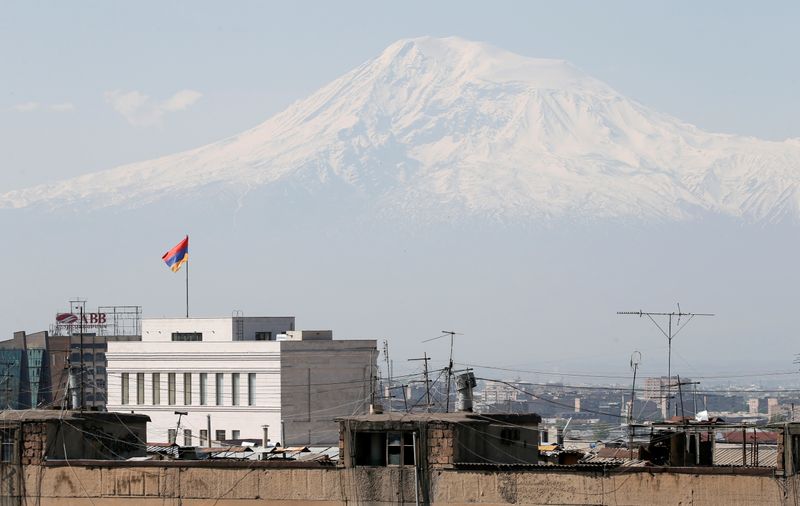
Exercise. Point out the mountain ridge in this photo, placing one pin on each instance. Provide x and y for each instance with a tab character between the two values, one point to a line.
448	124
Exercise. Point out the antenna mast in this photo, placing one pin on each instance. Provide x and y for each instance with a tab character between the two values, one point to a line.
425	359
669	334
452	334
636	359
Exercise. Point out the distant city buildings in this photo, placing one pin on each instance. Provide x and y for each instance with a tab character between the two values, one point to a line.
40	369
661	389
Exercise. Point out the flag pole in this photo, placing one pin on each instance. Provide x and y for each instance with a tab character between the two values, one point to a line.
187	285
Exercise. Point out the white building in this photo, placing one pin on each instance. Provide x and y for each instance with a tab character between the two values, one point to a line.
243	372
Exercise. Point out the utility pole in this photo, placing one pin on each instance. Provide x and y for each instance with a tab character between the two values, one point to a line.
425	359
80	383
452	334
669	334
636	359
680	394
388	387
178	426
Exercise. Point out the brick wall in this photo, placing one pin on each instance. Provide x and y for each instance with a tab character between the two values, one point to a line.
440	438
34	437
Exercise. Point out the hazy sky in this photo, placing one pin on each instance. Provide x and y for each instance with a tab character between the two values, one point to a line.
90	85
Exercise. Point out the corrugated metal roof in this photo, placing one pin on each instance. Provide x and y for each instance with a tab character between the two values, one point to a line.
732	456
596	459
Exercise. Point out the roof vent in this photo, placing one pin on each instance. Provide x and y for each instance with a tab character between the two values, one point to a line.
464	384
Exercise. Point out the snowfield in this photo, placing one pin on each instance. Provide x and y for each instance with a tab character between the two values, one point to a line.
433	125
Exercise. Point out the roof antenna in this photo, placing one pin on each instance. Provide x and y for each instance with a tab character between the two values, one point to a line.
452	334
669	334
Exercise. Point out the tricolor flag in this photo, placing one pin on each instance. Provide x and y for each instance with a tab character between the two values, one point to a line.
178	255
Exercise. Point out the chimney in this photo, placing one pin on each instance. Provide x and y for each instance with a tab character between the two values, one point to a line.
464	385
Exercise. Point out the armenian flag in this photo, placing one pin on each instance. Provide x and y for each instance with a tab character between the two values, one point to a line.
178	255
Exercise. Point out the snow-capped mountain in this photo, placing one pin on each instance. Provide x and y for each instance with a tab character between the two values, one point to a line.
433	124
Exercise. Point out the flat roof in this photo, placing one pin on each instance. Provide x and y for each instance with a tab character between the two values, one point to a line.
209	317
33	415
456	417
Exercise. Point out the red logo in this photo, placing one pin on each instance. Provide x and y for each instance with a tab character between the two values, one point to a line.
66	318
92	319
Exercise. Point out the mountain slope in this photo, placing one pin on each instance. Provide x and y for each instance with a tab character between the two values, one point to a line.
447	124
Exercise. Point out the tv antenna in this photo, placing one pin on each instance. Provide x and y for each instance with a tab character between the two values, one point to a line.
452	334
669	333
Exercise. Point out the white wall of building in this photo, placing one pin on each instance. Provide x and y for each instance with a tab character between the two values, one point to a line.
323	379
261	358
215	329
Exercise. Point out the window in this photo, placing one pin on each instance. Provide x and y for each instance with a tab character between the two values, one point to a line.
385	449
172	435
187	389
203	437
171	389
219	389
125	389
508	436
203	389
394	448
235	434
7	437
139	388
263	336
156	388
251	389
187	437
219	435
235	389
187	336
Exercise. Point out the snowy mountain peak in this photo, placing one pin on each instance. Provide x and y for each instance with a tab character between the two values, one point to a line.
448	127
459	59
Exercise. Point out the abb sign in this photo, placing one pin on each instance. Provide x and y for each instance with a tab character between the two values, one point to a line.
95	319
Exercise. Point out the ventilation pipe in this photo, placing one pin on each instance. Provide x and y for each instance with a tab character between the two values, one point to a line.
74	393
464	385
265	435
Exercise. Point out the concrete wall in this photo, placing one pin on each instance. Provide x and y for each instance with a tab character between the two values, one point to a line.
320	381
249	484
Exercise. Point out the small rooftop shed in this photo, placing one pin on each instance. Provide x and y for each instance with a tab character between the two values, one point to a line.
438	439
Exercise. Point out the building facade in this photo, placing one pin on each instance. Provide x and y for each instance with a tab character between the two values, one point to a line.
228	378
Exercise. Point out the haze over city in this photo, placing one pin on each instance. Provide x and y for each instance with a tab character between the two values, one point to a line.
517	173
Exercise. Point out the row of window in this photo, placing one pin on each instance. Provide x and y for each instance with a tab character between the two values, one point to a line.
188	395
198	336
219	435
